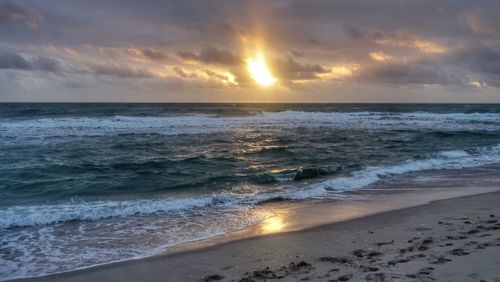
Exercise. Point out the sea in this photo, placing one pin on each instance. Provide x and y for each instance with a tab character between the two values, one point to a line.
89	184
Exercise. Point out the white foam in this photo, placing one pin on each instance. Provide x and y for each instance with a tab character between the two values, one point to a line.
457	159
93	210
203	124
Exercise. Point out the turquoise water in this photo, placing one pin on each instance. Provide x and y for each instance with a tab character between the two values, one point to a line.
85	184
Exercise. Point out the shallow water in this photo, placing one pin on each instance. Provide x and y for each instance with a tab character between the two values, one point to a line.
84	184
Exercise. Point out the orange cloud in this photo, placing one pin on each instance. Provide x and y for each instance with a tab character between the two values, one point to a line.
380	56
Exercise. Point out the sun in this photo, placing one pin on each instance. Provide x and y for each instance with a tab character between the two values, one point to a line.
259	71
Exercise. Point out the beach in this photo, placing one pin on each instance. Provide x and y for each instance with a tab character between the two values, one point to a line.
284	140
85	187
454	238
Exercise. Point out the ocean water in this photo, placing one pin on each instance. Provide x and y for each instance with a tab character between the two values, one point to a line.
87	184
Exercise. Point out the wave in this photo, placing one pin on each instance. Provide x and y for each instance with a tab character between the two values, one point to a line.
457	159
19	216
206	124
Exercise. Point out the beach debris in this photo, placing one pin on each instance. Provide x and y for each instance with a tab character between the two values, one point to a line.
376	277
346	277
417	256
299	265
396	261
268	273
336	260
422	248
385	243
423	229
213	277
428	240
426	270
370	269
459	252
265	273
440	260
472	231
374	254
358	253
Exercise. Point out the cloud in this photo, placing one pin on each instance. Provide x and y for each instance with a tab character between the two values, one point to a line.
184	73
11	12
405	39
358	33
212	55
379	56
120	71
289	69
484	21
16	61
226	78
297	53
46	64
153	54
482	61
415	72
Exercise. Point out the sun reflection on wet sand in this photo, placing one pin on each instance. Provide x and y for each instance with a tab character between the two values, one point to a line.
274	224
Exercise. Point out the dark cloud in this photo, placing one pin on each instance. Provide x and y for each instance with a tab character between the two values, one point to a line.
120	71
418	72
212	55
153	54
358	33
482	61
16	61
13	12
290	69
46	64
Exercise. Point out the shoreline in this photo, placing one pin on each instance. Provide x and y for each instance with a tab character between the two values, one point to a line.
155	268
303	214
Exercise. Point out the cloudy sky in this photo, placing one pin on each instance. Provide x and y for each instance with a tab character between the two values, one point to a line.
199	51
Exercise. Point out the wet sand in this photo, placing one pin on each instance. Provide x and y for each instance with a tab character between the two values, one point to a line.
455	239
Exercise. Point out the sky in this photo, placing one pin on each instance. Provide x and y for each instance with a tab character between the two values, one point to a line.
316	51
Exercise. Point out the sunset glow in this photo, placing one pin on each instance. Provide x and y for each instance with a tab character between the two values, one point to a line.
231	130
259	71
250	52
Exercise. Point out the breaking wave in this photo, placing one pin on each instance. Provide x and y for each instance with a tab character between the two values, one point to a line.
16	216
